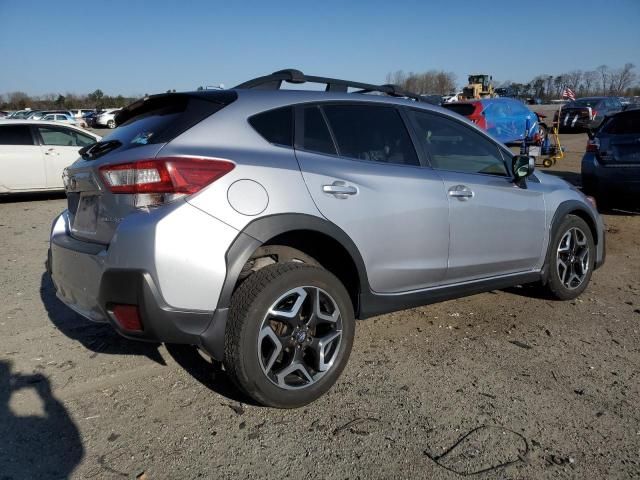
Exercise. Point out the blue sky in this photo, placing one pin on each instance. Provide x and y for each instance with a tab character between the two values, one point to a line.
134	47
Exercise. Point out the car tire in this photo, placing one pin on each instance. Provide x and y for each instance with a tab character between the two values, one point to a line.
288	362
111	124
570	258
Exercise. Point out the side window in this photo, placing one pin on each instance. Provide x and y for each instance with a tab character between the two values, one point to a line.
456	147
374	133
57	136
15	135
316	137
275	126
83	140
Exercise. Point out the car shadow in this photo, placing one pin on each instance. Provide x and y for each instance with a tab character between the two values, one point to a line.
102	338
207	371
31	197
36	446
97	337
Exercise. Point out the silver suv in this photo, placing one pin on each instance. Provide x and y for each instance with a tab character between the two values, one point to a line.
258	223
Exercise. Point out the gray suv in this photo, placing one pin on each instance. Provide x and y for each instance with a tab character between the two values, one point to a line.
258	223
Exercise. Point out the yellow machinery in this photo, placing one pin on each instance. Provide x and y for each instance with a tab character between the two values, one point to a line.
553	148
479	87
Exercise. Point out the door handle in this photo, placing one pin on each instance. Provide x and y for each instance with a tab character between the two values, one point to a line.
340	189
460	191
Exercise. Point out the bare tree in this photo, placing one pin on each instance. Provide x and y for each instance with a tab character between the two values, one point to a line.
572	79
589	80
603	71
621	79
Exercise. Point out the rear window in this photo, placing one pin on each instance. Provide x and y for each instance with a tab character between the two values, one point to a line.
316	136
161	119
275	126
586	102
464	109
627	123
15	135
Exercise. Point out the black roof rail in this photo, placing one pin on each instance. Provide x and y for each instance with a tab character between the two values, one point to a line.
274	82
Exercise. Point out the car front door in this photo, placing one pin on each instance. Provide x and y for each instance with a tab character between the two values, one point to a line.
60	147
364	175
21	161
496	227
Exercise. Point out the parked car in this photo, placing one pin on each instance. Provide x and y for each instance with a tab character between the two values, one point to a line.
106	118
19	114
611	164
4	113
61	117
33	154
503	118
207	219
81	112
587	113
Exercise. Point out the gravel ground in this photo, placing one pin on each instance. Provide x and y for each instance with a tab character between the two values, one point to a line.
504	383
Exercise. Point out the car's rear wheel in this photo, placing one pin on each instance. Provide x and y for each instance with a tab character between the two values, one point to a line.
289	334
570	258
111	124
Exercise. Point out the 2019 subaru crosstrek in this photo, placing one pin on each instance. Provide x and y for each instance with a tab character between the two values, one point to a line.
258	223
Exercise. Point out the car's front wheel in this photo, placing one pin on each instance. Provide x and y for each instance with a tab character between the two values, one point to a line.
570	258
111	124
289	334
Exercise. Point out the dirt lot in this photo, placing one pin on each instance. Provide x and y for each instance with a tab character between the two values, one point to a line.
550	389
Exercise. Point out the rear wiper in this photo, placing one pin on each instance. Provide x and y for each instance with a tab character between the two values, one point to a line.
98	149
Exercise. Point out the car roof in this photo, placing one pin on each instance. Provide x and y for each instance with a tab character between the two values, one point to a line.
48	123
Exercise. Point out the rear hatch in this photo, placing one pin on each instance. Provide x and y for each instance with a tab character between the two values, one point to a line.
619	139
578	113
144	128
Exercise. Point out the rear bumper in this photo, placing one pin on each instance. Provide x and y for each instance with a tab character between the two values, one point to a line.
92	278
611	180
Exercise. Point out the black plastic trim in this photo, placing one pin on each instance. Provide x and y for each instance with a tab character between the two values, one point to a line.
372	304
161	322
566	208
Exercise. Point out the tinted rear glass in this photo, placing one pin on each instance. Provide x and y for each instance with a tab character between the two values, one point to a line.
585	102
371	133
464	109
161	119
15	135
316	136
275	126
627	123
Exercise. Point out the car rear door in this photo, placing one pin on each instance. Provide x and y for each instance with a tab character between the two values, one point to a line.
21	161
59	146
364	175
496	228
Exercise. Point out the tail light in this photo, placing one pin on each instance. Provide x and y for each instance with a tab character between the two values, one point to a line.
593	145
162	180
594	114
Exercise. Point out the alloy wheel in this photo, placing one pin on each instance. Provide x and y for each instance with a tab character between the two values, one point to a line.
572	258
300	337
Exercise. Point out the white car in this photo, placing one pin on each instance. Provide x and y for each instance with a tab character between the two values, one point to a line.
33	154
61	117
106	118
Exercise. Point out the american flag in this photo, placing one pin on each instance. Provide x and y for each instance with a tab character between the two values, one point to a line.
568	93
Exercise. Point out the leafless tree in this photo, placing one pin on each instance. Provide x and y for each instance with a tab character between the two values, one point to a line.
621	79
603	71
589	80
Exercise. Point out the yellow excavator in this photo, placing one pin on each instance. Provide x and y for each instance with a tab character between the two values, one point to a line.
479	86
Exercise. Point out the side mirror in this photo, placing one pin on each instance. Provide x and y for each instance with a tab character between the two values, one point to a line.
522	166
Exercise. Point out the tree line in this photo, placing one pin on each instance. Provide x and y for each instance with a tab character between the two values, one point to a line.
52	101
601	81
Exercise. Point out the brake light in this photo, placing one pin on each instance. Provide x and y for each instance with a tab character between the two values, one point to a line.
593	145
594	114
161	180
